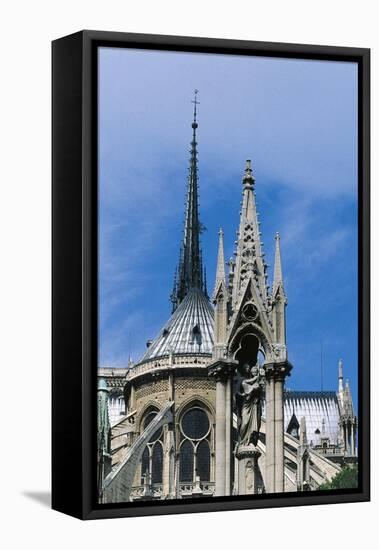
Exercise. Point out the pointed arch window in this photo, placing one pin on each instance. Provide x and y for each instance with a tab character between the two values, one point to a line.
203	456
145	464
195	453
152	458
186	461
157	463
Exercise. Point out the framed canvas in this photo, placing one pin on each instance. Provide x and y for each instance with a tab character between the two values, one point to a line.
196	367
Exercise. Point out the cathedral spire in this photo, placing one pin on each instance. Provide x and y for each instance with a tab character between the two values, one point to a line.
278	275
220	270
190	273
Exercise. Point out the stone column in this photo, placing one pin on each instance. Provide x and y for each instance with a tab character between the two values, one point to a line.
167	450
220	437
270	436
222	371
176	475
279	436
132	398
171	385
275	375
345	437
228	434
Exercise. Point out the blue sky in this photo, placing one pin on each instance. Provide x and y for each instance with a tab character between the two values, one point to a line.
297	121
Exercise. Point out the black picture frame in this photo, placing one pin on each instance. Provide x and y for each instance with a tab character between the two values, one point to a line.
74	271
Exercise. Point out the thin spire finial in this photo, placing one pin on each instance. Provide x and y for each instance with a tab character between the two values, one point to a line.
248	178
340	379
220	270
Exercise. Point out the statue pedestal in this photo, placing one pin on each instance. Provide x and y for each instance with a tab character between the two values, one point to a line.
247	456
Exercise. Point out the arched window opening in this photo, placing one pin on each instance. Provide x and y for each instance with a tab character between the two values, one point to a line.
145	466
293	426
248	353
203	461
186	461
157	463
261	357
152	458
195	424
195	454
156	435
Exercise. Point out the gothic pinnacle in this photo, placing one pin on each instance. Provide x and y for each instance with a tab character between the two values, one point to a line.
220	271
278	275
340	377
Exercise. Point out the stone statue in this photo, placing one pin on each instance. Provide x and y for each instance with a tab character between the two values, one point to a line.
249	404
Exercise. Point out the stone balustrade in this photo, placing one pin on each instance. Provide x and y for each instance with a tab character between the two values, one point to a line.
186	489
166	362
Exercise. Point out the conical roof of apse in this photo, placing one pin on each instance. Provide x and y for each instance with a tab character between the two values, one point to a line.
188	331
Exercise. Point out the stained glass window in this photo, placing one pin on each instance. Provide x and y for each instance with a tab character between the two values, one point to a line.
145	464
195	424
152	458
157	463
203	461
195	455
156	435
186	461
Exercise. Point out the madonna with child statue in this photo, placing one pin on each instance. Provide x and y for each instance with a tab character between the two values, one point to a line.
249	405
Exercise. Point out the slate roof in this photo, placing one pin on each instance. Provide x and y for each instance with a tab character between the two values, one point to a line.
315	406
188	331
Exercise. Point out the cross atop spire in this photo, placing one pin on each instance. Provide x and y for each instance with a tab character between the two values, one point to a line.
190	272
196	103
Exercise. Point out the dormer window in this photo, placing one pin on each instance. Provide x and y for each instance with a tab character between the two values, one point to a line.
293	426
196	335
196	330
